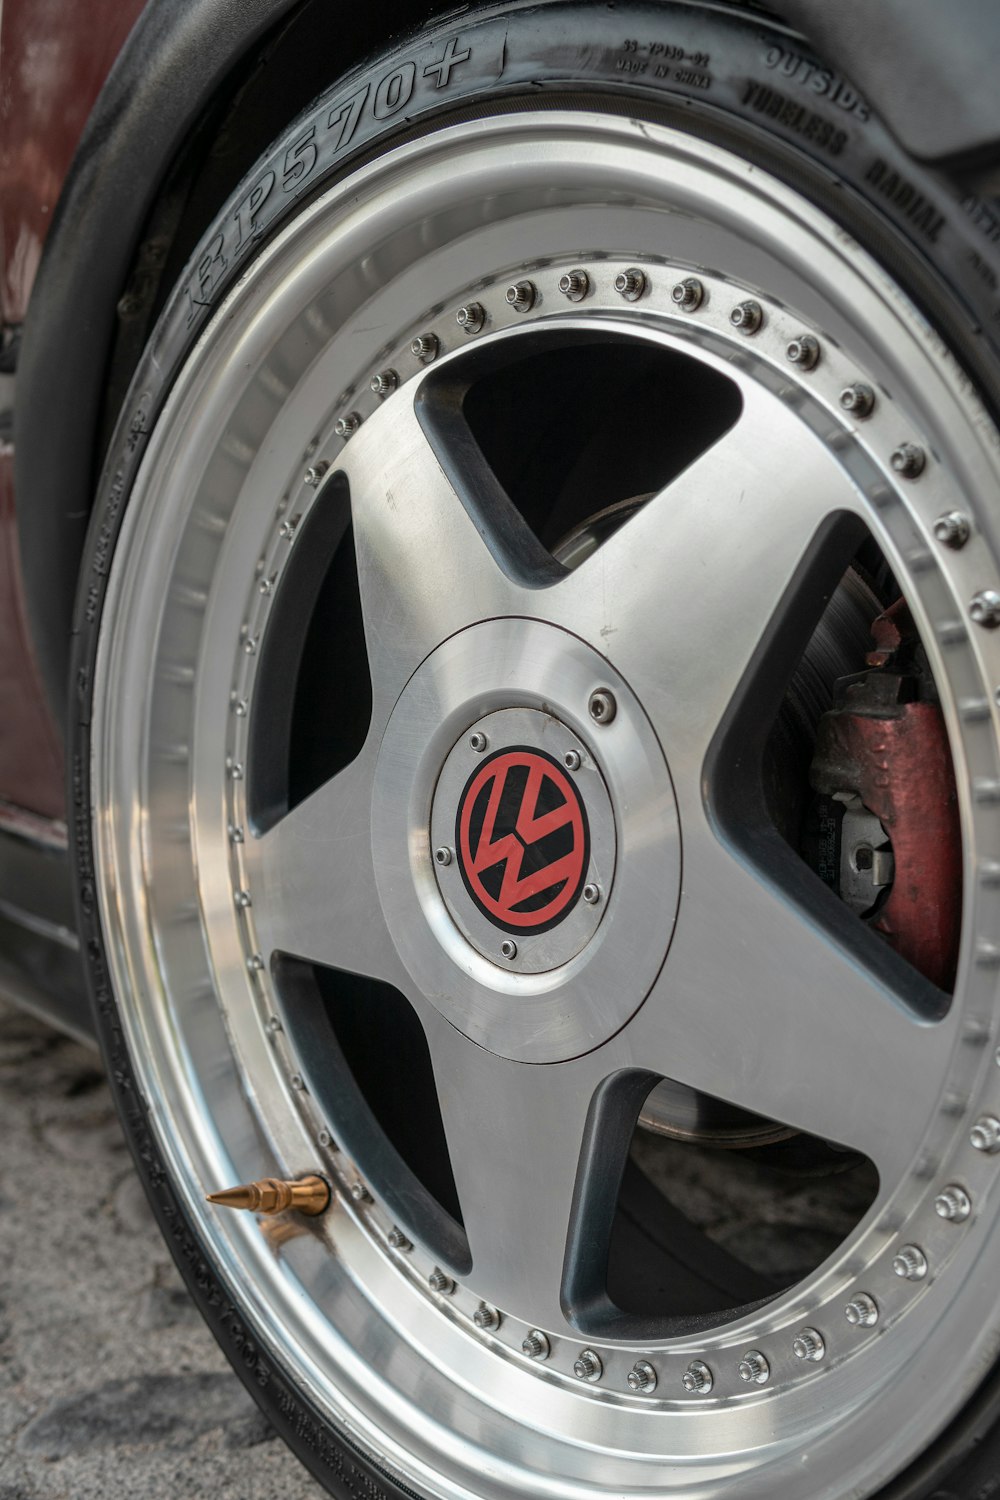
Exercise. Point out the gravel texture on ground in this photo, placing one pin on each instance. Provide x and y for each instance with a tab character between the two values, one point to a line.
111	1387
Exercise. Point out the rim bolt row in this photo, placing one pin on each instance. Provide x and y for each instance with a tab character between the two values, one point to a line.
747	316
952	529
398	1240
910	1263
346	427
472	317
631	284
803	351
425	347
439	1281
953	1203
862	1311
754	1368
698	1378
985	1134
315	473
535	1345
688	294
575	285
642	1378
858	399
809	1344
487	1318
384	383
521	296
908	461
984	609
588	1366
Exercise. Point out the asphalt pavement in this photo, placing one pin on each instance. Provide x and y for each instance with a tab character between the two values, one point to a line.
111	1387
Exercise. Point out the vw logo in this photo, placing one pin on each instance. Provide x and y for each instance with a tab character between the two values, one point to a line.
522	839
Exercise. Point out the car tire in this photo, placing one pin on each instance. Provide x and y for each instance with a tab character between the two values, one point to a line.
569	210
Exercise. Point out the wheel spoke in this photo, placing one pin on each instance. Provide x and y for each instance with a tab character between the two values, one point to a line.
424	566
759	1005
725	563
313	880
515	1133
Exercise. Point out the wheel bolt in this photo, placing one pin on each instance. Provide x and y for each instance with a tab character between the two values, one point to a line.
508	949
803	351
698	1378
748	317
952	529
575	285
602	706
953	1203
985	1134
521	296
425	347
315	473
910	1263
439	1282
642	1377
591	893
255	963
630	284
384	383
688	294
858	399
908	460
359	1192
588	1366
471	317
984	609
443	855
345	427
808	1345
862	1311
398	1240
478	741
486	1317
571	760
535	1345
754	1368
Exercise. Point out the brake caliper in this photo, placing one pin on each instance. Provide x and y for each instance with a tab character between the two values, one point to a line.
882	829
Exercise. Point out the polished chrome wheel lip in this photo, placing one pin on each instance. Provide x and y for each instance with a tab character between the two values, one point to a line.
161	743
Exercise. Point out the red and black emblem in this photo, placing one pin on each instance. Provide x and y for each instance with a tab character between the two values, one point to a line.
523	840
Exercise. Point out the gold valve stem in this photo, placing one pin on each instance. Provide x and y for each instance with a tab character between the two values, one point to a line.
273	1196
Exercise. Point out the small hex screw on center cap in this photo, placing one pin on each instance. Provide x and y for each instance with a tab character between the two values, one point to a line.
602	706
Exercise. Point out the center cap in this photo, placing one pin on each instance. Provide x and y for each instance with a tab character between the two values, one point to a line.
527	855
524	836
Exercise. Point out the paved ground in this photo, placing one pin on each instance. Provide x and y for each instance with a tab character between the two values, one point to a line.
110	1386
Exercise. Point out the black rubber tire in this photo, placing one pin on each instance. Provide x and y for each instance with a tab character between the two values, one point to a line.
757	89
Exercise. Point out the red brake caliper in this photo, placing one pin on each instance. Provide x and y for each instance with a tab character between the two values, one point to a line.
885	745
